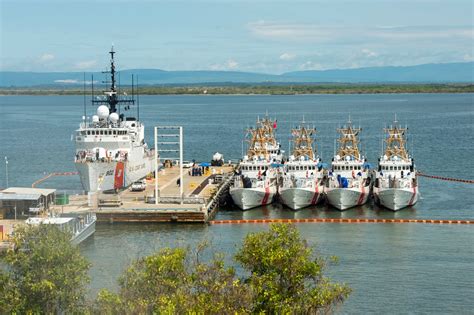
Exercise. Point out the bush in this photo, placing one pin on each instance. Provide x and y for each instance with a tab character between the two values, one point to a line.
282	277
44	273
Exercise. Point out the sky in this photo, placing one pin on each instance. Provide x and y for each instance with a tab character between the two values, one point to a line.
255	35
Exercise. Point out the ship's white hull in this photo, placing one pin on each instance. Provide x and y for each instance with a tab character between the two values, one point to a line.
106	176
345	198
396	198
298	198
247	198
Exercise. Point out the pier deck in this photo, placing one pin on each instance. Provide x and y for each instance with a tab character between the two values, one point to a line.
130	206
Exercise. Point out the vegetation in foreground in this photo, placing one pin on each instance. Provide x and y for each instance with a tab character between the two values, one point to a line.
281	274
270	89
45	273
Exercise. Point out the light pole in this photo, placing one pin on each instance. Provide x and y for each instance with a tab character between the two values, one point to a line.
6	170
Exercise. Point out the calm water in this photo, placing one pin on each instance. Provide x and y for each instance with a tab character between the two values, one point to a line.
393	268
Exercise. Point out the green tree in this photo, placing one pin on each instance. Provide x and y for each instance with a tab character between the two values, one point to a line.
173	281
284	274
283	277
44	273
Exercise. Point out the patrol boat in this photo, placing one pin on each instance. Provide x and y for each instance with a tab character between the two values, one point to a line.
396	183
256	183
349	180
302	182
111	152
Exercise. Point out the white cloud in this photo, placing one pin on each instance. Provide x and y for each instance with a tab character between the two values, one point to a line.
84	65
468	57
230	64
347	35
310	65
67	81
287	56
74	81
46	57
369	53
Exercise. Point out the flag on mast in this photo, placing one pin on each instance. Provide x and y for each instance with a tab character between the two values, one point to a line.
275	124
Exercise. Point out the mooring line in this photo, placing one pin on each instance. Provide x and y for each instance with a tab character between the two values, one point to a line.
340	220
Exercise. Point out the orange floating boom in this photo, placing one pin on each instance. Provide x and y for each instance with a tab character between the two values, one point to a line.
339	220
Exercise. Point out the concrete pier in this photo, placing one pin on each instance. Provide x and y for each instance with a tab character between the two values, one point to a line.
201	195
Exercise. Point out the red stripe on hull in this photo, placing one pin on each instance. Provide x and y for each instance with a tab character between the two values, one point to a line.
315	196
412	197
119	175
362	195
267	194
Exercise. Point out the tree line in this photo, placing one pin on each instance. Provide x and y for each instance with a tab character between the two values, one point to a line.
249	89
46	274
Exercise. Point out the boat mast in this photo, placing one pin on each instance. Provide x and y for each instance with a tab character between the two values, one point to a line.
112	99
348	141
395	141
260	138
303	141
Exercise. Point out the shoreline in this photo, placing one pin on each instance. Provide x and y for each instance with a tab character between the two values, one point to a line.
313	89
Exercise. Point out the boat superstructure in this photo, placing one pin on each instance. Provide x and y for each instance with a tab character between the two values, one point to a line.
349	180
302	180
256	183
396	183
80	227
111	152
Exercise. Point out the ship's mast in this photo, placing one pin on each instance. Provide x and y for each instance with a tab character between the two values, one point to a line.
260	138
395	141
303	141
112	99
348	141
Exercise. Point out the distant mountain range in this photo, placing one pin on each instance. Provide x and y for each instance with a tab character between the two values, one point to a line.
426	73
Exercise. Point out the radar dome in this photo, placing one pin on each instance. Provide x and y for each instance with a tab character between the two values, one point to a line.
114	117
217	156
102	111
95	118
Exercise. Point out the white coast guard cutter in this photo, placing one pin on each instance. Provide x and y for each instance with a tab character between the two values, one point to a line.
302	182
111	152
256	183
349	182
396	183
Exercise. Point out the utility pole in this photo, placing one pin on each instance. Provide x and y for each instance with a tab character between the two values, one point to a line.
6	170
